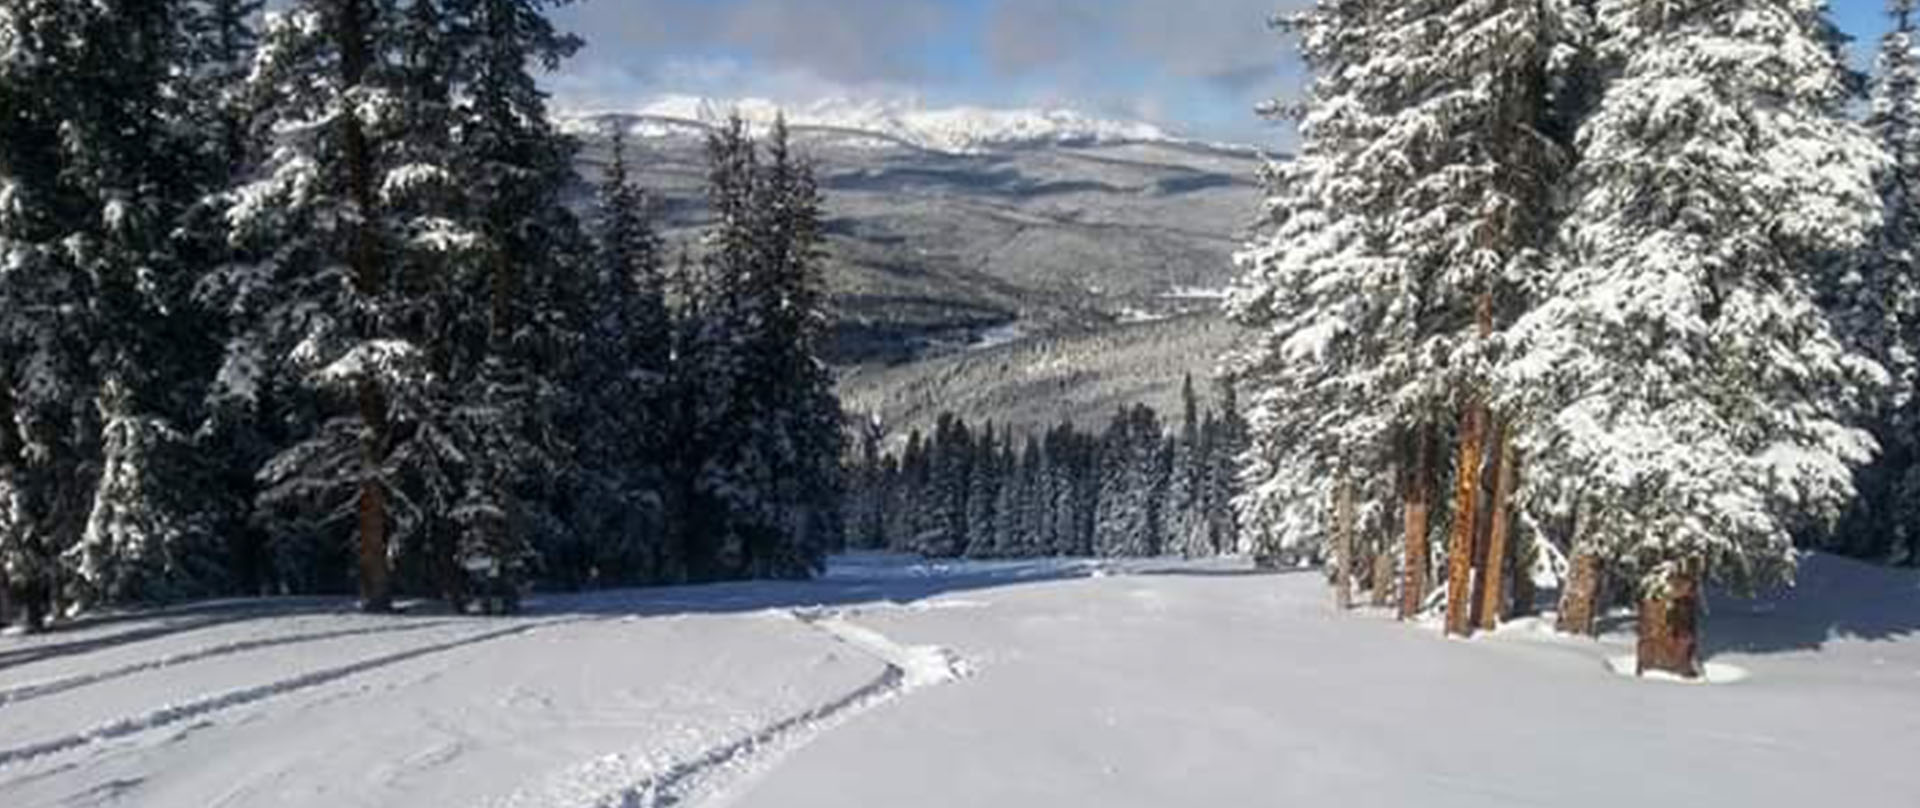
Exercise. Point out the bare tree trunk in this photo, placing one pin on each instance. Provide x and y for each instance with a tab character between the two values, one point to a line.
369	283
1670	625
1493	588
1466	507
1580	602
1343	543
6	599
1417	508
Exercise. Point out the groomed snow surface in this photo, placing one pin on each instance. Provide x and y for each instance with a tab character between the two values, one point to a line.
892	682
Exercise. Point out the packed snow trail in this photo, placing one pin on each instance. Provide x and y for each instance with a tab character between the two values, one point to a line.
171	714
1119	683
716	770
1219	687
919	666
40	689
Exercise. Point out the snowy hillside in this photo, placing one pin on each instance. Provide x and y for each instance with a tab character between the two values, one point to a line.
892	682
952	130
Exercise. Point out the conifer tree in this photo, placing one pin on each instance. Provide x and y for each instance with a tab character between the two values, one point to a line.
623	386
1690	386
331	312
98	169
1878	308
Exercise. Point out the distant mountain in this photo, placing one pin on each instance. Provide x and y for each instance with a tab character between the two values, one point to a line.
961	234
955	130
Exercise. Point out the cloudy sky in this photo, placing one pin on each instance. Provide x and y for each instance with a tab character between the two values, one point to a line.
1195	66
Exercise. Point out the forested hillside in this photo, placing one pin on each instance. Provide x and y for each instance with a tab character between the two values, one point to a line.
317	301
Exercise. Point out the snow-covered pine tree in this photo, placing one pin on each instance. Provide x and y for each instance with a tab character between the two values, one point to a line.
952	468
1185	507
1393	241
869	483
809	420
910	520
983	496
100	164
1022	526
329	312
1007	523
230	443
1227	442
515	166
623	374
1684	378
720	472
1134	465
1877	308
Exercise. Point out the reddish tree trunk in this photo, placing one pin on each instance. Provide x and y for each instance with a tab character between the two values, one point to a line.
1670	626
350	31
1417	513
1418	495
1466	514
1493	580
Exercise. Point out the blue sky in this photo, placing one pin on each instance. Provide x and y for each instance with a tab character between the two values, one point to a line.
1195	66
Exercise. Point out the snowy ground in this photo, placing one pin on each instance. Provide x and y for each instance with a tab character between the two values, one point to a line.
892	683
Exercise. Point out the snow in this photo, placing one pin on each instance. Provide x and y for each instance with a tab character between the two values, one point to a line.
954	130
898	681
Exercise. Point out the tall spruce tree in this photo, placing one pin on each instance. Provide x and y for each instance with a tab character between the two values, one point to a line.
624	377
329	309
1878	307
1687	381
763	435
99	167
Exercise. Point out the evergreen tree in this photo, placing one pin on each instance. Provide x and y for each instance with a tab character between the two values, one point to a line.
983	497
1687	381
1227	442
1393	246
765	431
622	383
98	169
1878	308
330	311
1187	499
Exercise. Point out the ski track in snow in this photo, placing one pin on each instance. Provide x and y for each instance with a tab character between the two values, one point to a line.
651	784
42	689
173	714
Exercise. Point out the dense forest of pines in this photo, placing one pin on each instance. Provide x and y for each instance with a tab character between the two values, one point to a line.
297	303
307	302
1624	282
1141	488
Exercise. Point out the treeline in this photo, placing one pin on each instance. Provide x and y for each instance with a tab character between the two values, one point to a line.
296	302
1140	488
1630	282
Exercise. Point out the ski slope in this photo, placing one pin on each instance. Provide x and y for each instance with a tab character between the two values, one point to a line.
894	682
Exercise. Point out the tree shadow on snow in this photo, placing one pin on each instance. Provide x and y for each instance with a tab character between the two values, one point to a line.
865	580
1833	598
95	632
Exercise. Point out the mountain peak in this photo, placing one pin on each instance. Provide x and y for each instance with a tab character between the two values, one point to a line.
960	130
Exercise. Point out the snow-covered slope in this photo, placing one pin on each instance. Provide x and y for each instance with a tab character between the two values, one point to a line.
893	682
953	130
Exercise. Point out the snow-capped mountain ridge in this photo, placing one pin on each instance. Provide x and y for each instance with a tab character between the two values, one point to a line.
953	130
